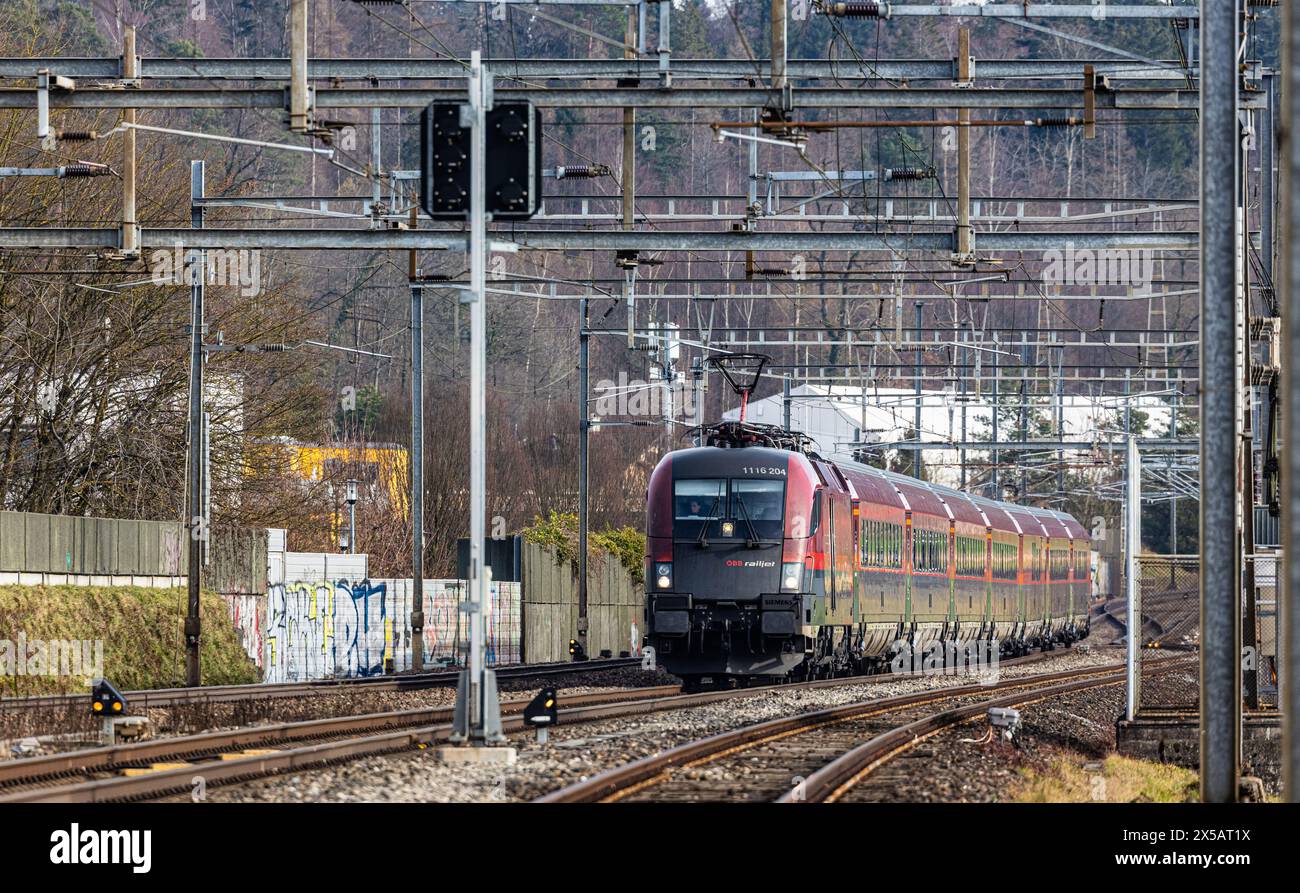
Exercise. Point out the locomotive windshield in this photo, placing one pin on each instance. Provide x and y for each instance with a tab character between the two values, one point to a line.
715	508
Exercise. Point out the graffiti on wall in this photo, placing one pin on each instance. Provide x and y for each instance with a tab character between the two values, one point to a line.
246	616
317	630
320	629
446	627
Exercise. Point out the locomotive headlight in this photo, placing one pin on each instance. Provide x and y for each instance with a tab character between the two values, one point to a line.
664	576
728	529
791	572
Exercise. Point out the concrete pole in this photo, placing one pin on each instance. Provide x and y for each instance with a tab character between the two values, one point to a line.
786	400
197	527
299	103
1173	502
779	47
1246	453
477	719
1060	429
1289	638
1132	583
699	402
965	356
629	136
417	477
584	387
1023	486
917	470
997	375
1267	138
665	42
478	92
1220	731
352	527
965	235
130	223
376	160
417	455
207	486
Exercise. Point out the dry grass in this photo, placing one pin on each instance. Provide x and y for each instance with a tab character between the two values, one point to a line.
1114	780
141	630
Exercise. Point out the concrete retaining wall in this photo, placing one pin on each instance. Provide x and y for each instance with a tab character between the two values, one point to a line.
314	629
55	550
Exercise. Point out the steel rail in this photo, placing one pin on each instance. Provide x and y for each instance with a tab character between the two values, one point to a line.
218	694
143	753
591	707
616	782
829	783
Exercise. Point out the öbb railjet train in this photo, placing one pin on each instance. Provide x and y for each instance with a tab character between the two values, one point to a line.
766	560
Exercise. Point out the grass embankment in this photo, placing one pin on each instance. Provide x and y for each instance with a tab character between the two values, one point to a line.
1116	779
141	630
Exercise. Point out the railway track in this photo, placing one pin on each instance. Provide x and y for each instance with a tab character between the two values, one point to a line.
1169	619
816	756
218	694
167	766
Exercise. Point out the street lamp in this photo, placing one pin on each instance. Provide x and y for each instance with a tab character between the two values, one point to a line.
351	496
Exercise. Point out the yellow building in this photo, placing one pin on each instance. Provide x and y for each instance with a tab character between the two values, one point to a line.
381	469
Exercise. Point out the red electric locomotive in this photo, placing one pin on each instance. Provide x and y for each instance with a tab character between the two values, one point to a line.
766	560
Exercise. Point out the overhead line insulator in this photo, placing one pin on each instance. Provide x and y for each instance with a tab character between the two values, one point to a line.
861	9
582	172
83	169
910	173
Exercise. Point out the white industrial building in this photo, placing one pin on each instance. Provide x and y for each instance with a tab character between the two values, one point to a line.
837	416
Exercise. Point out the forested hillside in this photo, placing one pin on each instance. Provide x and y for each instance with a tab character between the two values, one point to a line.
94	368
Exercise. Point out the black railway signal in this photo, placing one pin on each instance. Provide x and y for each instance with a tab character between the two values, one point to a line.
513	179
106	700
576	651
543	710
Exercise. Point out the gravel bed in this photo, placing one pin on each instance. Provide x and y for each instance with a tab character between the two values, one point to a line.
1079	727
577	752
74	727
1186	693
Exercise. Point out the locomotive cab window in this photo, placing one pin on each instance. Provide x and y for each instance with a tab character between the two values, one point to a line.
738	509
760	503
697	503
